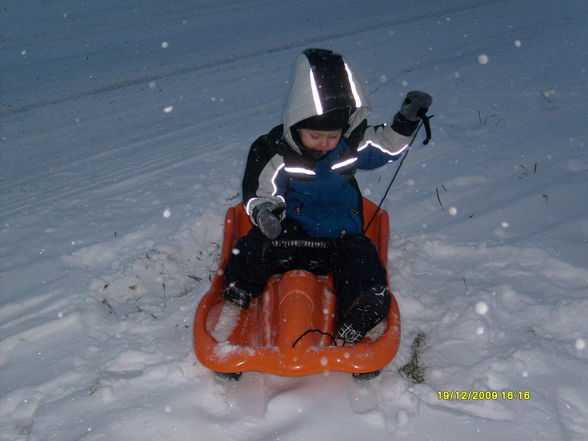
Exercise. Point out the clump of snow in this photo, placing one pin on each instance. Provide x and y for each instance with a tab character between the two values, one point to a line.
483	59
226	322
482	308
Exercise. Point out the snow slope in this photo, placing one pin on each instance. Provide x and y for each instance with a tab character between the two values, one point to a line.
125	126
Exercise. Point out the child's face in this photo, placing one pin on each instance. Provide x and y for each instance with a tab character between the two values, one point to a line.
320	140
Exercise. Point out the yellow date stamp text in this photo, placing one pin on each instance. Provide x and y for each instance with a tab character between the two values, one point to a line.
476	395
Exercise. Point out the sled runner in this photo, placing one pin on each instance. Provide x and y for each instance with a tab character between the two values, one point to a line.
289	330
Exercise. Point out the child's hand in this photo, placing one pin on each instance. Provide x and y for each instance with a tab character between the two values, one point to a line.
415	105
268	219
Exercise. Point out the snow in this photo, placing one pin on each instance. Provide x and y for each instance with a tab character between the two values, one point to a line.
125	126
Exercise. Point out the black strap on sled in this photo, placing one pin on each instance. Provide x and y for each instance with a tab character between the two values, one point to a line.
424	122
314	330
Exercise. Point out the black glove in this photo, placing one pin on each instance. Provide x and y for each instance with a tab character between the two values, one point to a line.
267	218
415	105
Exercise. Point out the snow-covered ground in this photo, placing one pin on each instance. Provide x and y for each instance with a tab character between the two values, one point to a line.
125	125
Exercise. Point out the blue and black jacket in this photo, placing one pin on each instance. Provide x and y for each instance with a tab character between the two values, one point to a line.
321	195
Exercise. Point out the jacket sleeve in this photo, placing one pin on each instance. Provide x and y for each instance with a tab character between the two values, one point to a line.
260	182
384	143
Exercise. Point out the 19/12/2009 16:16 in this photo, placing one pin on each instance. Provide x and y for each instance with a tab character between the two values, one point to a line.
474	395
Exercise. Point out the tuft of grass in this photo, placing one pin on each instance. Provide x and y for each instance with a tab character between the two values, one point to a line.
413	370
484	120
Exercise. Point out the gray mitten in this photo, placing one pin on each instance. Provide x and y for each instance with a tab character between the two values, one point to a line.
415	105
267	218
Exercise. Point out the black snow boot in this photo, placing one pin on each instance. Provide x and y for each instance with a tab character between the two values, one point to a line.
369	309
237	296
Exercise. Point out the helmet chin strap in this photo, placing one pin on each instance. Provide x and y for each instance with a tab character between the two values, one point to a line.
315	155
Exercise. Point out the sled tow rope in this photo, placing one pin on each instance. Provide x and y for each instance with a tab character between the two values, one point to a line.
314	330
424	122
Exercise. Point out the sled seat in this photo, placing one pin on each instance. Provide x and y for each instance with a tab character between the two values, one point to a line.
288	330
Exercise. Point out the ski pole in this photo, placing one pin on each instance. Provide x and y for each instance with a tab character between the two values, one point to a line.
424	121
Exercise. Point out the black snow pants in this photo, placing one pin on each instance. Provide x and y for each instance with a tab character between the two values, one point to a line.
352	259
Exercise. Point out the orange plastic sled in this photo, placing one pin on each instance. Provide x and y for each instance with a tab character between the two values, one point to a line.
271	335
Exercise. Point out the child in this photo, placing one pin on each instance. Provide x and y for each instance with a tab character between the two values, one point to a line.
299	185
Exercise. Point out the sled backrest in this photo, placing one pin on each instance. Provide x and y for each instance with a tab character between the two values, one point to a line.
237	224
